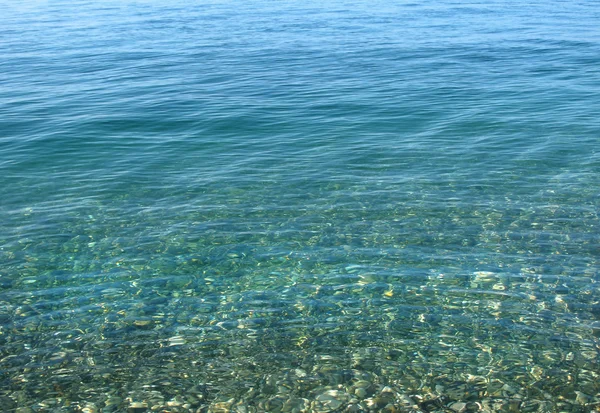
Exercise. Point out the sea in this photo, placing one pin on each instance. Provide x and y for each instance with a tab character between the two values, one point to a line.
299	206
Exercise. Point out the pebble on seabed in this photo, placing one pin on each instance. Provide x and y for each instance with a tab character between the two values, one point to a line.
329	401
137	407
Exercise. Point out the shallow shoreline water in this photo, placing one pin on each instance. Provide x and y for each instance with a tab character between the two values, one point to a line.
299	208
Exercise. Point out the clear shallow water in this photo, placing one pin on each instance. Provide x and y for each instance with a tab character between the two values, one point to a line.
299	207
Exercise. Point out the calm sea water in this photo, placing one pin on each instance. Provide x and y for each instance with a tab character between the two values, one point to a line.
299	206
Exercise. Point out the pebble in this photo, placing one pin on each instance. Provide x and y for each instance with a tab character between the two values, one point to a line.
137	407
142	323
222	406
89	408
458	406
582	398
113	401
360	392
330	400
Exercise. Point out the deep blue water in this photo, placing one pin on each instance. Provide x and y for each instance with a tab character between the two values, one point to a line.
299	206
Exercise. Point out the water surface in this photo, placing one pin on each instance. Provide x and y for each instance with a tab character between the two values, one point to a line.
299	207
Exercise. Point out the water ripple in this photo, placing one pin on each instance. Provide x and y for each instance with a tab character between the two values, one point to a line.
299	206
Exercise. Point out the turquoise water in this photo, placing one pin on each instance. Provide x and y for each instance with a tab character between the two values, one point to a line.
300	206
